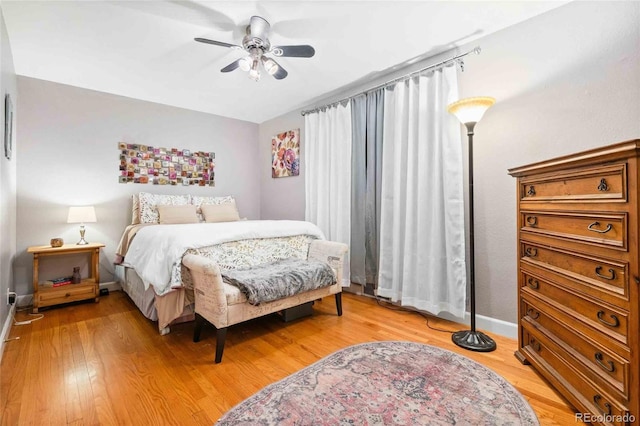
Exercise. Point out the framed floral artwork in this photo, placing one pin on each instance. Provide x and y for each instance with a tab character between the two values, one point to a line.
285	154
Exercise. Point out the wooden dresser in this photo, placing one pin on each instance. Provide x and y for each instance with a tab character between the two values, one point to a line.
578	278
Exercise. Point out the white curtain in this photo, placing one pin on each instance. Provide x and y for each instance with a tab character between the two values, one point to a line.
328	177
422	239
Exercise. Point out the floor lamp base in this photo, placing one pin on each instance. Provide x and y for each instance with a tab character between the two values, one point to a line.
474	341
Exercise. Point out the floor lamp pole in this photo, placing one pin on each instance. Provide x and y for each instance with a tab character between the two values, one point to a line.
472	339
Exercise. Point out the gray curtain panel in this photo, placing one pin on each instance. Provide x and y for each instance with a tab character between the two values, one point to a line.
367	113
358	187
375	120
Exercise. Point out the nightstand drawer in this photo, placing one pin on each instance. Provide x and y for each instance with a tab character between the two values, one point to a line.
65	294
597	184
605	230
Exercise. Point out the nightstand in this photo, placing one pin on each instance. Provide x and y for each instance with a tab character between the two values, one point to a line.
86	289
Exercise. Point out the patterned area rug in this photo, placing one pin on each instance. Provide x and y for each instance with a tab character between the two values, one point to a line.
387	383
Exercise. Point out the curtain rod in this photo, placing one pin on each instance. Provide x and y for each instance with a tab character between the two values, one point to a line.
457	58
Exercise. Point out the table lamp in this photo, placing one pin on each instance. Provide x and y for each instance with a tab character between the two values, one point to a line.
81	215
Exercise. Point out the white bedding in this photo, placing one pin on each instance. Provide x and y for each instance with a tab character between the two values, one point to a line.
156	251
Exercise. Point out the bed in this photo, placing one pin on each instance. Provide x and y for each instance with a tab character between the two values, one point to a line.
165	228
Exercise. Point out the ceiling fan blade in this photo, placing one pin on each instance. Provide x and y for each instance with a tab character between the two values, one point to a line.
217	43
301	51
259	27
232	66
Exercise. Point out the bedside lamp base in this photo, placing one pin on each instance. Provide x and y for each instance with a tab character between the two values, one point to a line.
82	241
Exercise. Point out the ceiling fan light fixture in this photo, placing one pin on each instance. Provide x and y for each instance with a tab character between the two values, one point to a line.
245	64
270	65
254	72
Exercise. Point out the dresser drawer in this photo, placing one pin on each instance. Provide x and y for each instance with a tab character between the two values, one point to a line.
609	275
603	366
610	321
595	184
606	230
559	367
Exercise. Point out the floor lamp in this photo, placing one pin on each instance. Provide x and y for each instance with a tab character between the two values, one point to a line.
469	111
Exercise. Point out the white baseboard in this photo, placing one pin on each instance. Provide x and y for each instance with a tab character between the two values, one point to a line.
6	329
111	286
488	324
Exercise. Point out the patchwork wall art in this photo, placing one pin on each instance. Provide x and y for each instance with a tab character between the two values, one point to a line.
165	166
285	154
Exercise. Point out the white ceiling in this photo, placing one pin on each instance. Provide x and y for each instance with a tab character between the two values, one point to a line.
145	49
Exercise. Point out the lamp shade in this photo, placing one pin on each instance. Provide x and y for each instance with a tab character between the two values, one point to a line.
470	110
84	214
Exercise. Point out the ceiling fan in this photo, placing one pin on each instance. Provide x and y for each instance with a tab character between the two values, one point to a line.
256	43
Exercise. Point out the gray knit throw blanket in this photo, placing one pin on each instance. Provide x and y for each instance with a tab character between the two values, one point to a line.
280	279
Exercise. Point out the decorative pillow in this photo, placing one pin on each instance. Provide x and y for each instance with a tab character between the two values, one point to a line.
135	210
148	203
200	201
177	214
227	212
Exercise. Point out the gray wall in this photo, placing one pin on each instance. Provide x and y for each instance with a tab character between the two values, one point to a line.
281	198
7	178
564	81
69	156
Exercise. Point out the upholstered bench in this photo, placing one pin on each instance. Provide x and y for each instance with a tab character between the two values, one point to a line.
223	305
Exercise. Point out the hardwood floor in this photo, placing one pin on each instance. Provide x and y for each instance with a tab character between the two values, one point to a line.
104	363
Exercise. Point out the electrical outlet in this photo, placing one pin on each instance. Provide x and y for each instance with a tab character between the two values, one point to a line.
11	297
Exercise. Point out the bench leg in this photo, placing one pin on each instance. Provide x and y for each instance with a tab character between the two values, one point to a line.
221	335
198	328
339	303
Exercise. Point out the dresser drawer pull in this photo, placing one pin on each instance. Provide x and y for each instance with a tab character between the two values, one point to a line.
533	313
532	191
531	252
534	284
637	280
603	185
615	323
596	399
604	231
532	221
609	368
611	271
67	295
535	345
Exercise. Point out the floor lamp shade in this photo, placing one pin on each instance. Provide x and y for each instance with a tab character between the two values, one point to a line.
470	111
82	215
